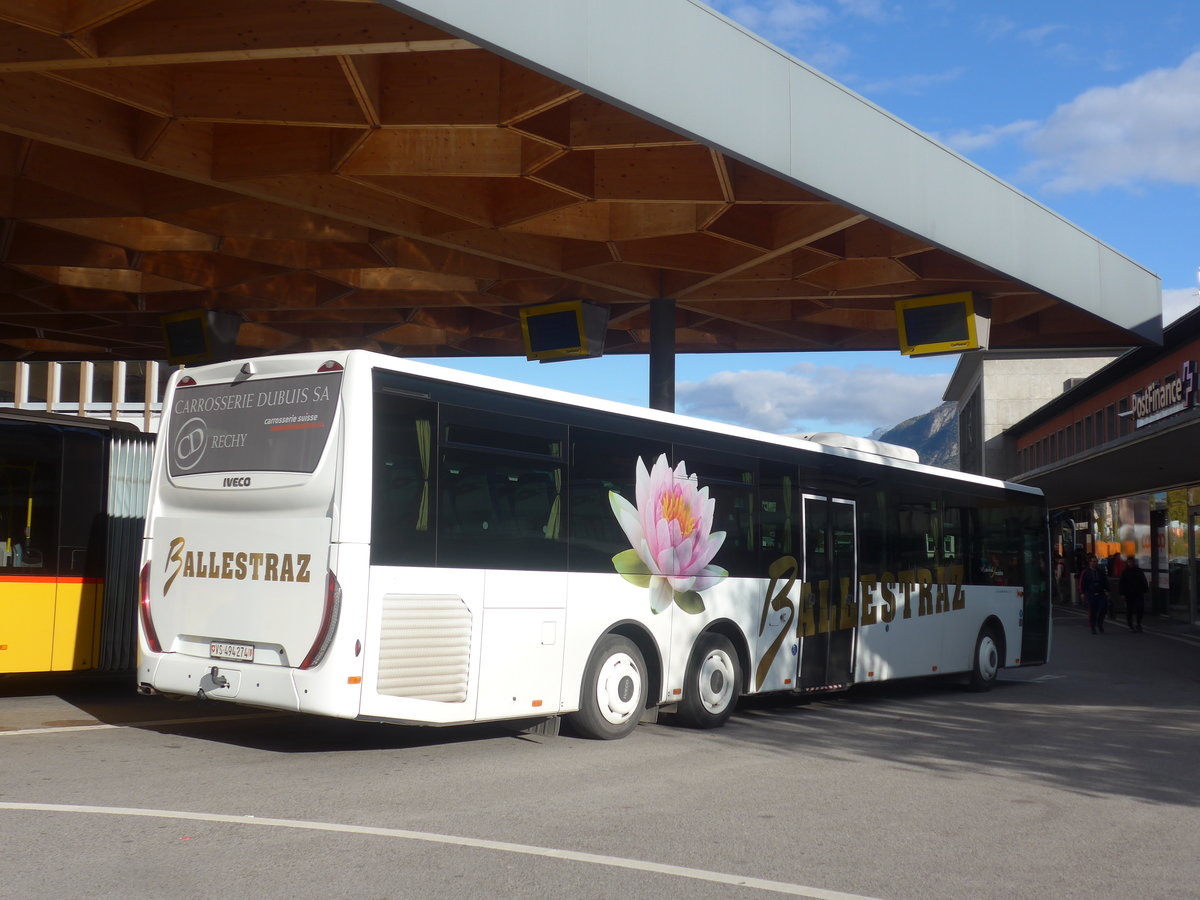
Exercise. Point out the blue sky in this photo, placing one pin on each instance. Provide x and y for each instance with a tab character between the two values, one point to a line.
1091	109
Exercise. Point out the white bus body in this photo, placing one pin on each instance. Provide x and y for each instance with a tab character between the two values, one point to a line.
358	536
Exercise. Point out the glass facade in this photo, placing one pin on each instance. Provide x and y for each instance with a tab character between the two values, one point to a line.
1161	529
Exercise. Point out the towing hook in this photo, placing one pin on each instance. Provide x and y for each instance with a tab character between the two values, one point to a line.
218	680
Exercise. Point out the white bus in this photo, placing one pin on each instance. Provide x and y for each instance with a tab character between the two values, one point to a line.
355	535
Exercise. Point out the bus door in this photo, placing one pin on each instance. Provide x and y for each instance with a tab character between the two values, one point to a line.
831	579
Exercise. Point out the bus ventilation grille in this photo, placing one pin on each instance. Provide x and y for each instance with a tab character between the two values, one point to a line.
425	647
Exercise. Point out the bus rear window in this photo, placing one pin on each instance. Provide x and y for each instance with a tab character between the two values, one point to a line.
264	425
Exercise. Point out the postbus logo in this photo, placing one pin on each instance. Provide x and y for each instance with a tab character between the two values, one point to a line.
190	443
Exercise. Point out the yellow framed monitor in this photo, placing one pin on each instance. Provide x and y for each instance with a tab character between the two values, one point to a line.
569	329
943	323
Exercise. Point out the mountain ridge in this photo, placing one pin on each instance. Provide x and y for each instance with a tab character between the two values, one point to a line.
934	435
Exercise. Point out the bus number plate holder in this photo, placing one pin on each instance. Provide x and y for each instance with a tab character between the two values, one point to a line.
226	650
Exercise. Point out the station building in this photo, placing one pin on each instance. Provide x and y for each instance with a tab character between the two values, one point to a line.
1114	451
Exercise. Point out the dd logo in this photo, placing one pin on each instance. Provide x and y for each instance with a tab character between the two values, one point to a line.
190	443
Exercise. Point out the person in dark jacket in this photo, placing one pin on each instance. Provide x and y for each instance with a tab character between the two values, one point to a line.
1093	590
1133	588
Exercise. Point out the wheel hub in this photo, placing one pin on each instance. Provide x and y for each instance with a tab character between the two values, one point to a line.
619	689
717	679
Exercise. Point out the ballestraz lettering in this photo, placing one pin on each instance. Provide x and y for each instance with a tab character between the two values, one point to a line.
237	565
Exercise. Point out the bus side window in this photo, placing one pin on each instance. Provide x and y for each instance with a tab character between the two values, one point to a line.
30	496
501	484
603	463
731	484
402	527
779	516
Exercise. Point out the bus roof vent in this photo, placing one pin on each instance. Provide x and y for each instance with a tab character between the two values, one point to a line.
862	445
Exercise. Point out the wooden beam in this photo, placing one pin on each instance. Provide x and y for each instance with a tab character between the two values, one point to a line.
362	74
487	152
281	92
46	16
135	233
72	63
86	15
525	93
252	151
661	174
803	224
150	89
850	274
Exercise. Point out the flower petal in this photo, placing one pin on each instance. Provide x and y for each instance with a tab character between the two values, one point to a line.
661	595
711	575
690	602
631	567
627	517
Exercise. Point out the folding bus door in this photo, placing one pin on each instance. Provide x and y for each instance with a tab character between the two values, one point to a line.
830	571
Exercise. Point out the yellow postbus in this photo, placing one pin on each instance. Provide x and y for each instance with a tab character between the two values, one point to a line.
72	498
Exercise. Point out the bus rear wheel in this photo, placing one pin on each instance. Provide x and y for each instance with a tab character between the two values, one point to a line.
986	665
613	694
712	684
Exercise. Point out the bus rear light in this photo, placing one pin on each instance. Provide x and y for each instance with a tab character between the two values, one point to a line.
329	619
330	366
186	381
144	610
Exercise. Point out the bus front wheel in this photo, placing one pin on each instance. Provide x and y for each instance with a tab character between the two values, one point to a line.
613	694
986	665
712	683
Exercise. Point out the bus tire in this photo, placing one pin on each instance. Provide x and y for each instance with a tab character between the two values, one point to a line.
986	663
712	683
613	695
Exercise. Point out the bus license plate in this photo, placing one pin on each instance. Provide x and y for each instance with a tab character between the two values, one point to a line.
226	650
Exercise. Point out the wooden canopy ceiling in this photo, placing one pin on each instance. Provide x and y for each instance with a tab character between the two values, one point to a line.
343	176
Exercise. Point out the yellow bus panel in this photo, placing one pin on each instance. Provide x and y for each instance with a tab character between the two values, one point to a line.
49	624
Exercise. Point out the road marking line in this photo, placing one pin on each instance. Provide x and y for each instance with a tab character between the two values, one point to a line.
150	723
776	887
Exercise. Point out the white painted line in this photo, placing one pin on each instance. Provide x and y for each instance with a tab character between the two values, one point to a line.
637	865
151	723
58	729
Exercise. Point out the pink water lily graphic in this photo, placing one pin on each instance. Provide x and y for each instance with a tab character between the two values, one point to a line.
669	531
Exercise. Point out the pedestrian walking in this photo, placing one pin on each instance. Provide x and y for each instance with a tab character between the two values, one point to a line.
1093	591
1133	587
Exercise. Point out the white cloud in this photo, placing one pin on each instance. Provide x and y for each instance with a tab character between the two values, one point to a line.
782	18
912	84
1038	35
1177	301
796	25
989	136
809	397
995	27
1146	130
871	10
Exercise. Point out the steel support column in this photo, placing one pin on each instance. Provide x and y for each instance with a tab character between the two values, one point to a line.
662	354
